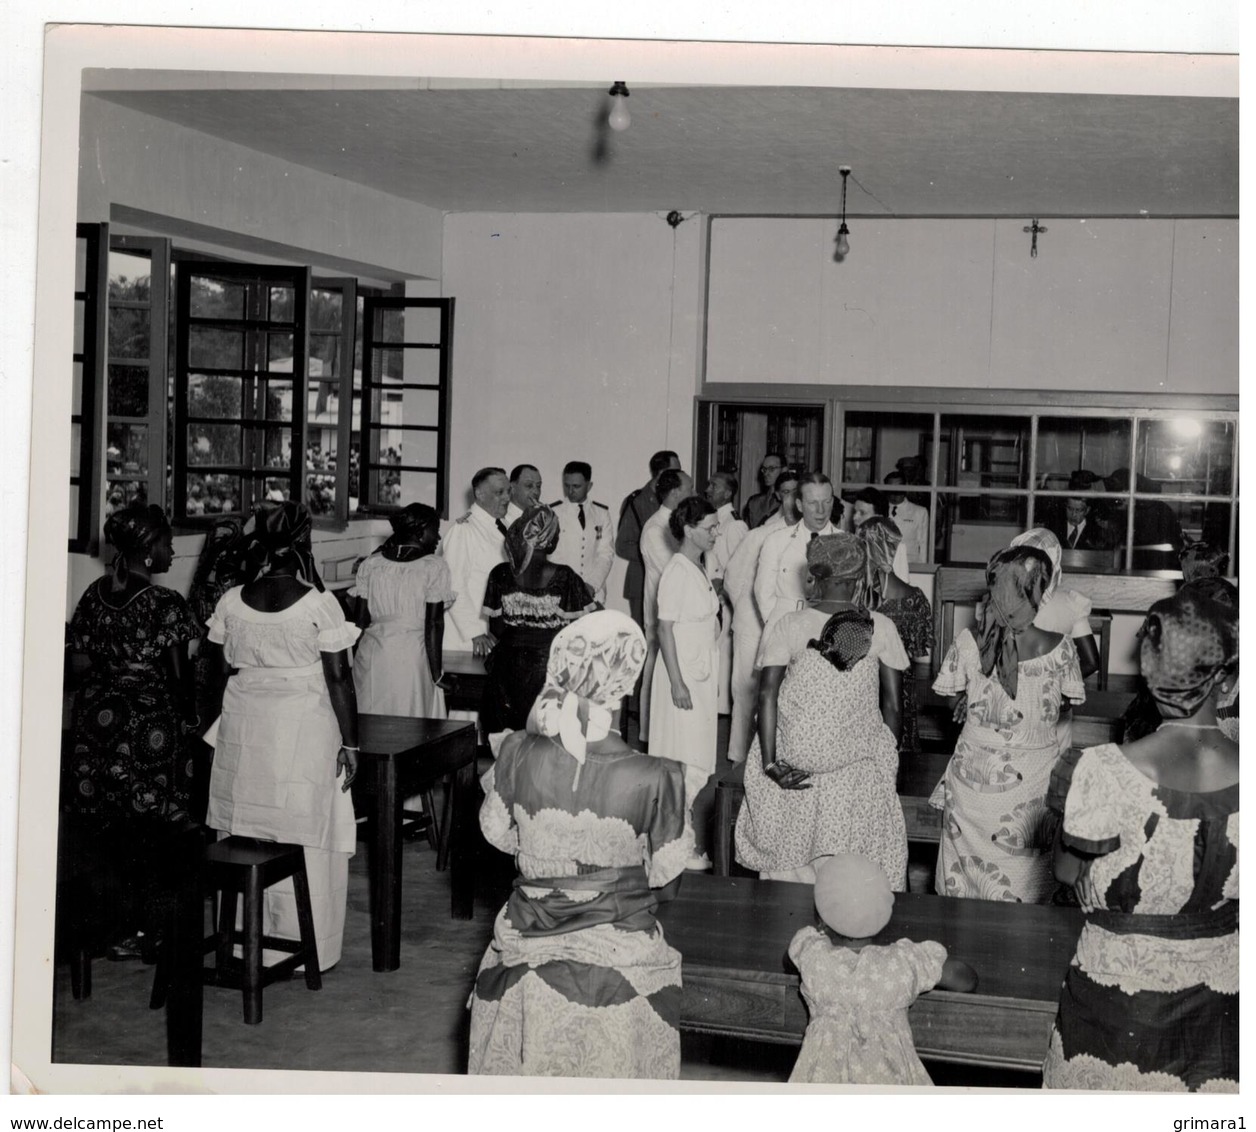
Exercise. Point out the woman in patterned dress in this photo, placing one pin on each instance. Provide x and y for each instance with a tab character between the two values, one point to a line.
403	590
996	832
128	772
905	605
578	980
527	600
820	776
1149	839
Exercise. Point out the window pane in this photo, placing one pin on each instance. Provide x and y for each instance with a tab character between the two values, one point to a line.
130	277
325	309
279	353
324	355
215	396
277	447
1068	446
422	324
76	448
126	449
972	527
78	325
389	326
80	284
422	367
122	493
878	443
128	391
281	304
211	494
128	333
213	444
320	493
1186	454
387	365
74	510
985	451
278	405
415	487
215	298
217	349
275	489
397	446
76	392
405	406
322	410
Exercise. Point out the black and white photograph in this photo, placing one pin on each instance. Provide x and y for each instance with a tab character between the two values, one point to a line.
570	564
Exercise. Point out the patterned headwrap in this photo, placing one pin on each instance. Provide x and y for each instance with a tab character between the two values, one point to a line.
1203	560
882	537
133	530
535	529
845	639
1017	577
220	566
407	525
1189	642
282	530
842	557
1042	539
595	661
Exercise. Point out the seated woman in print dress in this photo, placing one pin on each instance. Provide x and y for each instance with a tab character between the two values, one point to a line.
527	600
578	980
996	832
403	590
820	776
1149	840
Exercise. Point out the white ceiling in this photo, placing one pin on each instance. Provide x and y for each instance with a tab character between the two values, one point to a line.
742	150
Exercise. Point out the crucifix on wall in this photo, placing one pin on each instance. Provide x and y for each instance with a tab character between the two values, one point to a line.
1035	228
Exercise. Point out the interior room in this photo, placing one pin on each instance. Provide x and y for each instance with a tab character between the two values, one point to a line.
357	288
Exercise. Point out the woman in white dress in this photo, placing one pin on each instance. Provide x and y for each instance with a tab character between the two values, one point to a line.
289	724
403	591
686	685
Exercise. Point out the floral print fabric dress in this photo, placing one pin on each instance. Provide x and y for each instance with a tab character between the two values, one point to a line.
996	831
578	980
857	1001
1150	1001
913	618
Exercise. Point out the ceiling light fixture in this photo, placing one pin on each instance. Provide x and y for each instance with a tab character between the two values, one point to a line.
619	118
843	244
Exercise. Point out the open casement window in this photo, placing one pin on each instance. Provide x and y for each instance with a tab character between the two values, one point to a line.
136	385
333	401
241	363
87	401
406	355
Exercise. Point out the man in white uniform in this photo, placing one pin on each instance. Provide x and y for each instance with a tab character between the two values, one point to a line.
525	491
747	625
721	491
868	501
472	546
910	518
586	531
657	548
781	575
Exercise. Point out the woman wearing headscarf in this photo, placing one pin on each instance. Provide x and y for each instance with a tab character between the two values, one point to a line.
820	775
128	772
578	980
403	590
905	605
1014	677
1149	840
527	600
286	744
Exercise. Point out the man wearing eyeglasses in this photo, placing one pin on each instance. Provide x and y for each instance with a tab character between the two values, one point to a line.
761	506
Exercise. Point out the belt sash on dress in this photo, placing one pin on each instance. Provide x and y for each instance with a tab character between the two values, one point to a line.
1212	924
622	896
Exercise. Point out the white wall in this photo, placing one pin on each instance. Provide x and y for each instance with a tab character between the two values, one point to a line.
1117	305
576	337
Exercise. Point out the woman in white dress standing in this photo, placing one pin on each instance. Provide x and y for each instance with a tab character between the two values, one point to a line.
403	590
686	685
289	725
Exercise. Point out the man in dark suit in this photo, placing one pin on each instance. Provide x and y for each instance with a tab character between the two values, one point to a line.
636	508
1080	529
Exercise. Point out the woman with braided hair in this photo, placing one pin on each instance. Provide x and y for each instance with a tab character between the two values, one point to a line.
996	832
286	745
527	600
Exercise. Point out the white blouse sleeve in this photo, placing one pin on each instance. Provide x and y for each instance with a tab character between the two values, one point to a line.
887	645
334	632
217	628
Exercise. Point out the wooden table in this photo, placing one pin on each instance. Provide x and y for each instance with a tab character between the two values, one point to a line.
738	981
402	756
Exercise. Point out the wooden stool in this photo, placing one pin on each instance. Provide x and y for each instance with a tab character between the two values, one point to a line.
246	865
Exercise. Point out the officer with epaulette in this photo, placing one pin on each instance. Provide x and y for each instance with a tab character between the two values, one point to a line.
586	531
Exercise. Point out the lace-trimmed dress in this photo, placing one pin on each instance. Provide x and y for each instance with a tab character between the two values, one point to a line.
913	618
578	980
391	673
828	723
996	831
275	749
857	1001
1150	1001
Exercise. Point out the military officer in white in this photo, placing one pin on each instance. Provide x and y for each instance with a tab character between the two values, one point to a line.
472	546
780	578
586	531
721	490
525	491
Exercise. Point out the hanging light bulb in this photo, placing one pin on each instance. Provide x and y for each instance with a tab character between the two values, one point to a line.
842	249
619	119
